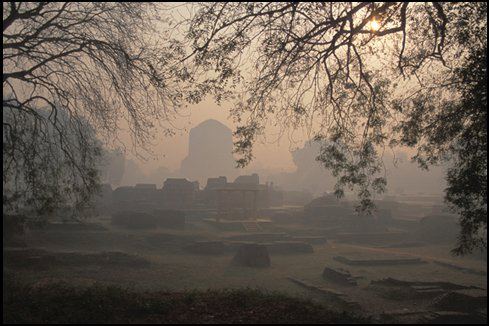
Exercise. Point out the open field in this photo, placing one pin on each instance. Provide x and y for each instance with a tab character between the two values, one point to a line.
156	261
62	303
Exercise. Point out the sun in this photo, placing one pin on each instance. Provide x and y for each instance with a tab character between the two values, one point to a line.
374	25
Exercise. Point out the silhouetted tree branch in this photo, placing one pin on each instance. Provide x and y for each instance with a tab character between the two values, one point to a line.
72	72
360	76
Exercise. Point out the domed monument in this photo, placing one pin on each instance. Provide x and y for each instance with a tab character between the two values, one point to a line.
209	153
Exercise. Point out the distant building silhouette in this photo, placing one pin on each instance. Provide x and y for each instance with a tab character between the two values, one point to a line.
151	186
253	179
210	152
213	183
310	176
240	198
179	192
405	177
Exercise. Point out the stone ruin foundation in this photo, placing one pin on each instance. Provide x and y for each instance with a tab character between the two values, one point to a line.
340	277
379	262
252	255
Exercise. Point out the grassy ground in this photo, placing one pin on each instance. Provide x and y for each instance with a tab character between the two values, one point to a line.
170	269
62	303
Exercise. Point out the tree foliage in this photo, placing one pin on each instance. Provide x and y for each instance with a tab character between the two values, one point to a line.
42	171
363	77
112	166
74	72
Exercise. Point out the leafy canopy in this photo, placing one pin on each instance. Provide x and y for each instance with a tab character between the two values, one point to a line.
416	77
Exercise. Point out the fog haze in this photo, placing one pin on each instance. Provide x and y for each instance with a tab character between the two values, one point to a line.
286	160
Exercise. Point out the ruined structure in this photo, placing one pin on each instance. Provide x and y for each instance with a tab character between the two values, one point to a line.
310	175
340	277
179	192
252	179
326	210
146	186
252	255
379	262
142	196
209	197
209	152
213	183
329	211
239	199
235	201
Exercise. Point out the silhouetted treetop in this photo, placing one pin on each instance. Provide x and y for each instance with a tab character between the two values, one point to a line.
361	76
72	64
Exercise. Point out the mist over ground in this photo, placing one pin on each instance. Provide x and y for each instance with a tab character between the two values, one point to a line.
209	153
207	225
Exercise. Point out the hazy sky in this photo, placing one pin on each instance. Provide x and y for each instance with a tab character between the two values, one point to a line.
271	152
